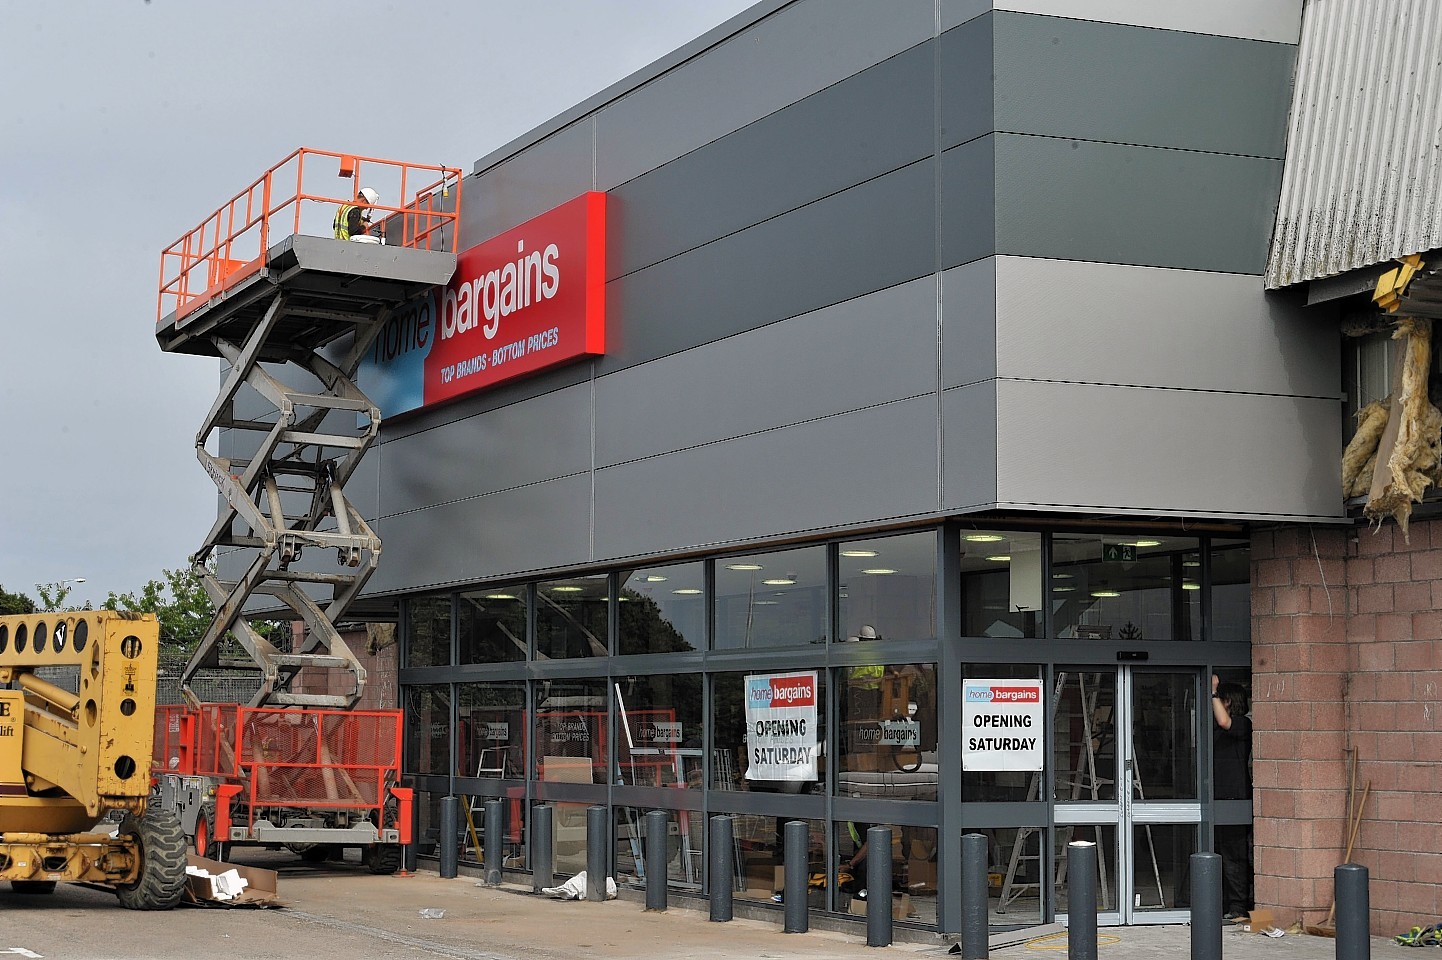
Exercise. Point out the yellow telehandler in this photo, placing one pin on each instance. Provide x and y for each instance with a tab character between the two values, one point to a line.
77	709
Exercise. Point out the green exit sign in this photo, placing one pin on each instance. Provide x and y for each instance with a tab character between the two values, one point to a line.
1119	552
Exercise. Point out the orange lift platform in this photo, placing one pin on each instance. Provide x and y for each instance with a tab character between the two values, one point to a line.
264	284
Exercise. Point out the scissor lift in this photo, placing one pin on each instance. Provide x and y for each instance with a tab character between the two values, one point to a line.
263	284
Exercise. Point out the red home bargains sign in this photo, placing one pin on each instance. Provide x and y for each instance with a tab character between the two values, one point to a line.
526	300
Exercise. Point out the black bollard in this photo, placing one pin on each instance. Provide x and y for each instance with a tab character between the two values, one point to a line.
1081	903
797	919
495	841
657	823
974	894
1354	905
878	887
450	827
1206	906
598	836
722	863
543	874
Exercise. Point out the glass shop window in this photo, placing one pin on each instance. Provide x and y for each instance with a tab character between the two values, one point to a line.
1231	590
571	618
658	731
1001	584
775	750
492	729
570	731
428	633
887	588
662	609
888	732
428	729
491	625
771	599
1125	587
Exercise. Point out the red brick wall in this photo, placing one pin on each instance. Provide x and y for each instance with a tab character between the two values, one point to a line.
1347	653
375	647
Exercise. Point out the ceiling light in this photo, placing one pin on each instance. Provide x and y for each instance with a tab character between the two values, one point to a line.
858	553
779	581
1191	586
567	589
655	578
1144	543
1000	558
1062	576
499	596
1102	594
879	571
743	566
1191	563
765	603
984	537
1063	589
687	591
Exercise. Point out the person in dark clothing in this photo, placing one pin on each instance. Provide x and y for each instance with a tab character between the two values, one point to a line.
1232	780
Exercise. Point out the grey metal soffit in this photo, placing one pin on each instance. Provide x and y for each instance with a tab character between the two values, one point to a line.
1363	177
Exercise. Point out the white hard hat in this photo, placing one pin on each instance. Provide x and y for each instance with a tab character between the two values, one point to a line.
370	196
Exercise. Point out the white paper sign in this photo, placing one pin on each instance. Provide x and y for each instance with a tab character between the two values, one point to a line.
781	732
1002	725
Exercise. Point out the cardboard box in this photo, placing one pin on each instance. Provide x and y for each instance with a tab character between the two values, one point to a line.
900	907
921	873
260	884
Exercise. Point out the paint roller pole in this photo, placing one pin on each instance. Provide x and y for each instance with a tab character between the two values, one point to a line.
495	841
543	874
450	829
722	863
1081	902
878	887
1206	906
597	836
1354	934
793	886
657	824
974	893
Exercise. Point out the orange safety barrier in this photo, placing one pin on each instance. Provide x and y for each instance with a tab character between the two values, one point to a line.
295	197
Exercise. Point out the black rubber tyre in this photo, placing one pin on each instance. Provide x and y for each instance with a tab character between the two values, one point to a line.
32	887
161	842
383	858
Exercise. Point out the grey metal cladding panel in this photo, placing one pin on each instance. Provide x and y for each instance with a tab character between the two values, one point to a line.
860	128
1099	81
1142	450
789	55
967	86
860	353
363	487
969	202
1147	326
968	323
954	12
875	235
500	534
1279	21
543	438
869	465
541	177
968	444
1073	200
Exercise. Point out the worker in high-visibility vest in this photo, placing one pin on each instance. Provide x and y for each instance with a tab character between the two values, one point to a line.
354	218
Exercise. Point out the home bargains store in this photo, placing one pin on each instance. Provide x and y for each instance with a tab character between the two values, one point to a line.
929	382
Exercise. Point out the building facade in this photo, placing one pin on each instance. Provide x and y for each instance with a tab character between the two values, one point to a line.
943	444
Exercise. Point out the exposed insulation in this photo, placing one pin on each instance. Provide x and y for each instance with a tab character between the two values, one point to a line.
1360	457
1412	463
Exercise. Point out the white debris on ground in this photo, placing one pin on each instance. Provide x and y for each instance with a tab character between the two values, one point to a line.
223	886
575	888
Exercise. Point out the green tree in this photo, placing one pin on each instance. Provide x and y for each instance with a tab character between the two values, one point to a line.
179	602
52	597
15	602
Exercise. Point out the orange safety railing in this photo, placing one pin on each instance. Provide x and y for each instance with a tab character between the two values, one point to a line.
299	196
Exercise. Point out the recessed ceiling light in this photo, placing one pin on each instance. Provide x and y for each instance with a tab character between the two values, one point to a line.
765	603
567	589
1063	589
687	591
499	596
779	582
743	566
1062	576
1145	543
655	578
858	553
1191	586
879	571
1191	563
1000	558
984	537
1105	593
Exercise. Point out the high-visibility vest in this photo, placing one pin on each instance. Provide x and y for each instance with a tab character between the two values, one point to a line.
342	221
866	678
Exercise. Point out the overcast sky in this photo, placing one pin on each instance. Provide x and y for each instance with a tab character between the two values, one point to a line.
124	122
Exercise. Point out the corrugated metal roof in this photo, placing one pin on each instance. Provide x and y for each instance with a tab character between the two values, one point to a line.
1364	149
